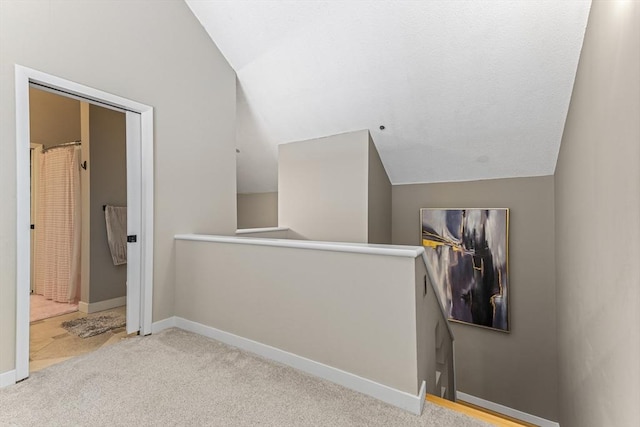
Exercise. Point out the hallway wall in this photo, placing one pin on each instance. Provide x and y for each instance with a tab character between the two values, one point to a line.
125	49
323	187
597	187
257	210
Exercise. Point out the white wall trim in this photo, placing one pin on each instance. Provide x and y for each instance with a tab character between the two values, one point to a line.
505	410
23	233
161	325
7	378
362	248
83	307
400	399
147	206
93	307
23	78
422	396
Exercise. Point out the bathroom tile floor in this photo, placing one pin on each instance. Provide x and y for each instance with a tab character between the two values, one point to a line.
50	343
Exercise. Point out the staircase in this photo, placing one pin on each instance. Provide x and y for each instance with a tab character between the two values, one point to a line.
440	360
444	364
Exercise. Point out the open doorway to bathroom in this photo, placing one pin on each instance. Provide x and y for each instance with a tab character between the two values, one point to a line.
140	183
78	227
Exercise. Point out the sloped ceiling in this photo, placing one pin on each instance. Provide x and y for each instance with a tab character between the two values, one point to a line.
466	90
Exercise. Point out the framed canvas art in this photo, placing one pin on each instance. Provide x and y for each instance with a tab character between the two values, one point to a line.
468	254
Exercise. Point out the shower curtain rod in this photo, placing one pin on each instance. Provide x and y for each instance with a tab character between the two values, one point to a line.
64	144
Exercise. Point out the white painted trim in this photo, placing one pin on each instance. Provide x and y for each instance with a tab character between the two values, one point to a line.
79	98
83	92
146	238
134	220
7	378
83	307
108	304
260	230
422	396
505	410
23	237
161	325
400	399
23	77
361	248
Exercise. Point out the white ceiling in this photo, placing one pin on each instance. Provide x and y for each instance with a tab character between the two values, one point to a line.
467	90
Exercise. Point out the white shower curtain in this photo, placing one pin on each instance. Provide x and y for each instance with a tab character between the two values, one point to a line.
58	225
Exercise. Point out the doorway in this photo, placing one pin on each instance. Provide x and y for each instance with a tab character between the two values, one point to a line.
139	201
78	246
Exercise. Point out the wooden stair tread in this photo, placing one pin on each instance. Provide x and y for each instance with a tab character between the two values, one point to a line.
478	413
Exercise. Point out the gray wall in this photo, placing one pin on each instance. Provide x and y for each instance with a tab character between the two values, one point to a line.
108	172
54	119
257	210
322	187
178	72
378	199
598	226
352	311
516	369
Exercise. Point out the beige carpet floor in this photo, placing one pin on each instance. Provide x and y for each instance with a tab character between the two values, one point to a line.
177	378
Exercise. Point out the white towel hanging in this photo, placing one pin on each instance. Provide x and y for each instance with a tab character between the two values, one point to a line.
116	220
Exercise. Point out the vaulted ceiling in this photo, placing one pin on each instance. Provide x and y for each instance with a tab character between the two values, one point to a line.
465	90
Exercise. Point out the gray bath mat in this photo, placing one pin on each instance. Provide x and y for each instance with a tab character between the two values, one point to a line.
89	326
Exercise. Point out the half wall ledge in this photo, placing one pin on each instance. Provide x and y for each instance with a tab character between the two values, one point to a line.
363	248
356	314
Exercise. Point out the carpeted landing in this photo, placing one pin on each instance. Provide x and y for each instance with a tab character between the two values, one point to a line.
177	378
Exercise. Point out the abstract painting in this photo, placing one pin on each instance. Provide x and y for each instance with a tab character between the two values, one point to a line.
467	250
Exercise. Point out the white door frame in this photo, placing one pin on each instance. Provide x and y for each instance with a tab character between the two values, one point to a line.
23	78
134	220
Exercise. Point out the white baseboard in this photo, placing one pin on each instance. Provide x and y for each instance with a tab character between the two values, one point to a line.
161	325
505	410
400	399
83	307
422	395
7	378
94	307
